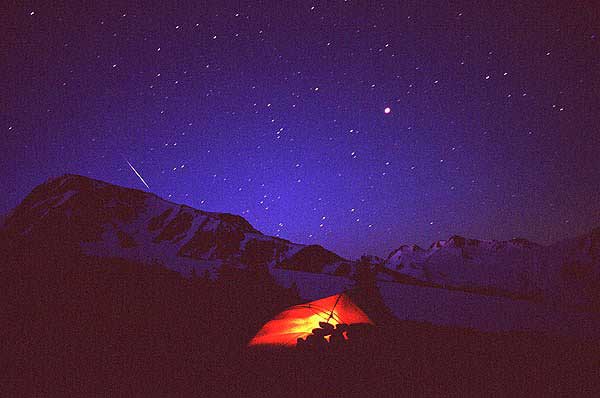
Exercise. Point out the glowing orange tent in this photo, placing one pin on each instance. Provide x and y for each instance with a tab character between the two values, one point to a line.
300	320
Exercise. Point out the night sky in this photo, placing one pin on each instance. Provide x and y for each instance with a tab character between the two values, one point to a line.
277	111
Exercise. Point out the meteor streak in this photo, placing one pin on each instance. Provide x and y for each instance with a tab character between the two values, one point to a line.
137	174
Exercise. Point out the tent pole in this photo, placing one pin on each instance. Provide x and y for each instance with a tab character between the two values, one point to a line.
332	308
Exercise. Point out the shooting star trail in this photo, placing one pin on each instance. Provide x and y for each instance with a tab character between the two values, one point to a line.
137	174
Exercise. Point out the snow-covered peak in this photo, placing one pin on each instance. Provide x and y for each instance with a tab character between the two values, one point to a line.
404	249
73	195
460	242
565	271
109	220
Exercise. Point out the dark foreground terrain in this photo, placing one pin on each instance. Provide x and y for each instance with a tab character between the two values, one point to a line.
79	326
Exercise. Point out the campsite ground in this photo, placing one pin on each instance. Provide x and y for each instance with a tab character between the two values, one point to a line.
75	325
412	359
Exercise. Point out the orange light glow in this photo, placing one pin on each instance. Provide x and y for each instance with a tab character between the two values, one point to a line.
300	320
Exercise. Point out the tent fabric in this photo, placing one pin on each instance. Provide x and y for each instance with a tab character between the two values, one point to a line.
300	320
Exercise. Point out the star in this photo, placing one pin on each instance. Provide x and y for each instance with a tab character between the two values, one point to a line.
242	93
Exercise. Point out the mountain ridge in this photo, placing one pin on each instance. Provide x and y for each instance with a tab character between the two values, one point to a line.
110	220
105	217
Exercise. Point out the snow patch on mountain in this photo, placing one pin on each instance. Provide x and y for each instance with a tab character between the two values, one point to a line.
434	284
108	220
564	273
488	313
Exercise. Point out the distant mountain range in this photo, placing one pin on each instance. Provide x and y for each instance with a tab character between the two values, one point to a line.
566	271
110	221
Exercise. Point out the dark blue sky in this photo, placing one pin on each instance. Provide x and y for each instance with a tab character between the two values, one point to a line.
275	111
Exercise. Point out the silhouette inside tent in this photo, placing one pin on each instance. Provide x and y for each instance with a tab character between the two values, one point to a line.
326	321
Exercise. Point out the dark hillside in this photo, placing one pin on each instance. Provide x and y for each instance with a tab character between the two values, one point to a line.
75	325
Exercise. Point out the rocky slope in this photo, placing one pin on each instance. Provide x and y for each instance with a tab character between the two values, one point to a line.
108	220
